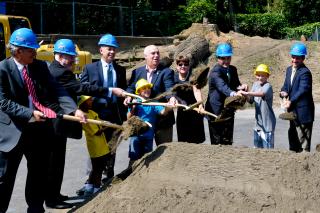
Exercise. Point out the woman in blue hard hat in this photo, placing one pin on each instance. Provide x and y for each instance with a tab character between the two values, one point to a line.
223	82
297	89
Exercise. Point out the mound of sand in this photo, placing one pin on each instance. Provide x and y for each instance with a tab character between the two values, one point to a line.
181	177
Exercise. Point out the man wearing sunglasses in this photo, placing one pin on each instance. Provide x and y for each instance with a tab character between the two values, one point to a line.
297	91
223	82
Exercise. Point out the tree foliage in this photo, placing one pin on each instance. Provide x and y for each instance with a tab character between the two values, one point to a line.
167	17
266	24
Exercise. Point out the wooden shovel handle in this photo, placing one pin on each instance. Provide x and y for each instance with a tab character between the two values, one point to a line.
133	96
92	121
177	105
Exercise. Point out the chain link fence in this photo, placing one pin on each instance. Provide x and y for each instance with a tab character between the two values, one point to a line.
93	19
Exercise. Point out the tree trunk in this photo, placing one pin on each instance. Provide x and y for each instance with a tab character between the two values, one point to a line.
195	47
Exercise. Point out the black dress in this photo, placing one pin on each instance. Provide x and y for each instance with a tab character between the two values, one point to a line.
189	124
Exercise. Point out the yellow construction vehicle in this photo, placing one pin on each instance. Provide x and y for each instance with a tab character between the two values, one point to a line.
8	24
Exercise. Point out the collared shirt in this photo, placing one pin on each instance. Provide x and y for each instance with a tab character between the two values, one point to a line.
150	73
20	68
105	67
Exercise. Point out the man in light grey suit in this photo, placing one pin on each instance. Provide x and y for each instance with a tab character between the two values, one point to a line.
28	97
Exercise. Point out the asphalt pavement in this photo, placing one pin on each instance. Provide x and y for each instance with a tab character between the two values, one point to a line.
76	159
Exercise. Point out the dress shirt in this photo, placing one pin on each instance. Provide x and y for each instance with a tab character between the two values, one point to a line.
150	73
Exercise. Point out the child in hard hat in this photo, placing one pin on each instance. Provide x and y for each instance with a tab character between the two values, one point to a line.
97	146
261	95
142	144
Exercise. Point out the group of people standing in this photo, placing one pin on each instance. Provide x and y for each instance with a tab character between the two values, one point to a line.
33	96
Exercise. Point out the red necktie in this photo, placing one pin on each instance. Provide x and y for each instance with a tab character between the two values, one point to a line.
27	80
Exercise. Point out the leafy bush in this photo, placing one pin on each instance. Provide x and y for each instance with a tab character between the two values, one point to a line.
265	25
307	30
195	11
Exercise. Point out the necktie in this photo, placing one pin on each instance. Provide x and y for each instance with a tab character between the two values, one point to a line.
110	76
228	74
110	81
30	87
293	72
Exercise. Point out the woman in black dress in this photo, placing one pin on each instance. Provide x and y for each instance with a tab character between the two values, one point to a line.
189	124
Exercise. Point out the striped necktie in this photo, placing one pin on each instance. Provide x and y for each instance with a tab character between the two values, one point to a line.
30	87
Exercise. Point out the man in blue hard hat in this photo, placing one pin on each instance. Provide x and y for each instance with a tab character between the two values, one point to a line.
223	82
107	73
297	91
29	98
61	69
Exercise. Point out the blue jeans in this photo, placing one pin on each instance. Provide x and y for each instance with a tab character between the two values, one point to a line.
263	139
140	145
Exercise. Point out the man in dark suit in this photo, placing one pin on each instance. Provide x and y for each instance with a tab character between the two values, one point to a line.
162	80
61	70
107	73
28	96
297	88
223	82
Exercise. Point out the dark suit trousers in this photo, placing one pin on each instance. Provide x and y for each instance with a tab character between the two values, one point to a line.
56	164
32	146
112	114
300	137
221	132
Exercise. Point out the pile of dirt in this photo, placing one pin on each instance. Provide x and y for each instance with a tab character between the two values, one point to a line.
181	177
248	53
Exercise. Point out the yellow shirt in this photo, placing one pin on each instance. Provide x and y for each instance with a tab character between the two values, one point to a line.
97	144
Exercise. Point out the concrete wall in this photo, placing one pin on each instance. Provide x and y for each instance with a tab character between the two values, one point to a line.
89	42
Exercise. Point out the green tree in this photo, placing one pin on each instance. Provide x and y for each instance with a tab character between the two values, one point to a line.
196	10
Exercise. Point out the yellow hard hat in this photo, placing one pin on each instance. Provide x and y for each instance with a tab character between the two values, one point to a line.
82	99
142	83
262	68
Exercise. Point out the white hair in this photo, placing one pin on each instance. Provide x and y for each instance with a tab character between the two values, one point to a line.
148	48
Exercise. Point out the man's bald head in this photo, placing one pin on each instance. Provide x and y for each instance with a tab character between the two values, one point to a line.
152	56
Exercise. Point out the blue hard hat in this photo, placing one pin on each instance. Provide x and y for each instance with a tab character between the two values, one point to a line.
224	49
65	46
298	49
24	37
108	40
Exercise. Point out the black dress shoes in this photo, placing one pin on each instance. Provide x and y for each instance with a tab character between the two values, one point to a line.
63	197
58	205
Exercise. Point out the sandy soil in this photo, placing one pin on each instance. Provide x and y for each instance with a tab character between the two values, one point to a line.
181	177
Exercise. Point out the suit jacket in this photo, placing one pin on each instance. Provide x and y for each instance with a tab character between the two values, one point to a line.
73	86
300	94
93	74
220	87
67	79
14	100
162	80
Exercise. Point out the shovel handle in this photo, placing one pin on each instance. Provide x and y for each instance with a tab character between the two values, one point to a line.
177	105
133	96
205	112
91	121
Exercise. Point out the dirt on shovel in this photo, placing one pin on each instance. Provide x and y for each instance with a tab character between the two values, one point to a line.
133	126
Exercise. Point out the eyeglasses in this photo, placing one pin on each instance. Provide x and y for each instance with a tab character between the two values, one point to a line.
182	64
